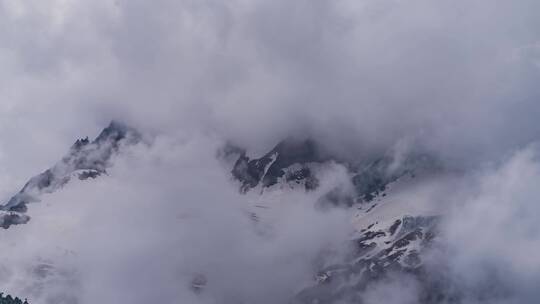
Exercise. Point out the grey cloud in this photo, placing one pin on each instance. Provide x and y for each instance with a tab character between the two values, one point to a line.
455	78
494	234
458	74
162	215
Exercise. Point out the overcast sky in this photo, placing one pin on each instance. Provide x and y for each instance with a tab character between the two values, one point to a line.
457	78
459	75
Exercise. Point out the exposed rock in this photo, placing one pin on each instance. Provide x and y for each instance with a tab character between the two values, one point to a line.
292	162
276	164
395	226
8	299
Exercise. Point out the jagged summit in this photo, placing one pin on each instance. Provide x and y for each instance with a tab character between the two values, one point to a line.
387	239
293	161
115	132
278	163
85	159
80	143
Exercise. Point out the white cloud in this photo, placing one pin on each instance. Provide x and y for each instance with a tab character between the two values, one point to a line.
164	214
457	78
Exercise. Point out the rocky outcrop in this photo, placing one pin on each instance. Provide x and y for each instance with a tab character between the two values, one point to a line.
8	299
293	161
289	161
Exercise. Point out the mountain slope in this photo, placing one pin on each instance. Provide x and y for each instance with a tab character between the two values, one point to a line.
390	236
292	162
85	159
380	250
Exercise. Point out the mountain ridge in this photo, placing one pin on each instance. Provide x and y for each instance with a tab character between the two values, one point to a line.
85	158
381	245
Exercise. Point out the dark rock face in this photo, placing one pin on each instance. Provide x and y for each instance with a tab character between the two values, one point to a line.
291	161
13	218
8	299
276	164
88	159
394	227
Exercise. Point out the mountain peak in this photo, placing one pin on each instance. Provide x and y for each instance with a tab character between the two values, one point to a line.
85	159
115	132
277	163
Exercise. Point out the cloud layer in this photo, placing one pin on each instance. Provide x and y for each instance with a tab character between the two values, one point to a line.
458	75
455	78
165	214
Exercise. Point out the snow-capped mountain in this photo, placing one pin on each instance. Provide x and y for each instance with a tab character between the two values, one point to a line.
292	162
384	242
85	159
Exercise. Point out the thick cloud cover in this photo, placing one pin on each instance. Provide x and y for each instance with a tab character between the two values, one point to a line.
496	233
459	75
456	78
491	236
165	214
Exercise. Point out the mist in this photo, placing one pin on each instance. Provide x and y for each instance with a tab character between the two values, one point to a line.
142	233
453	79
459	76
